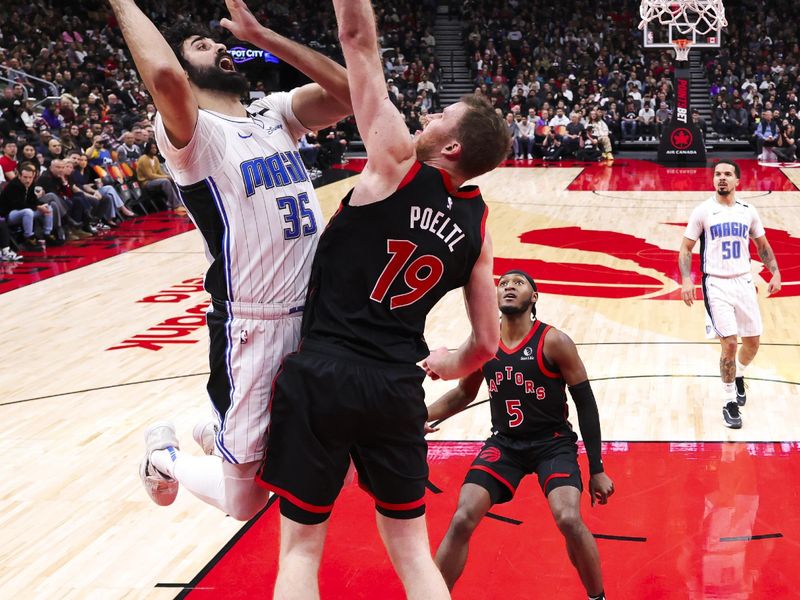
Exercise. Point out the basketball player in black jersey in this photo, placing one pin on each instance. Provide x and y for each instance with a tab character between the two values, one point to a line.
402	238
530	433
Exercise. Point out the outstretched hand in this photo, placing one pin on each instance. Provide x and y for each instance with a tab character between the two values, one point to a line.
242	23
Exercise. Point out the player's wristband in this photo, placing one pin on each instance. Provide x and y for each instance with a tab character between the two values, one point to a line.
589	422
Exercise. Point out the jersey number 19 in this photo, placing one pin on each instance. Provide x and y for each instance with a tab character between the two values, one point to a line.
420	276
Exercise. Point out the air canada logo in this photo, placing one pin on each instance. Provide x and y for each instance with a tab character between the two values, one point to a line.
490	454
641	269
681	138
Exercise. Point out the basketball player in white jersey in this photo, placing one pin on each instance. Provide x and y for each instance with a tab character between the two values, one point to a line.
724	226
245	187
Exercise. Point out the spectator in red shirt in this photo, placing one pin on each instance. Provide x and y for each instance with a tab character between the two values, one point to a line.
8	161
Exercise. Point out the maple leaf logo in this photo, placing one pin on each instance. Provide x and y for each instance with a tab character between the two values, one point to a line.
681	138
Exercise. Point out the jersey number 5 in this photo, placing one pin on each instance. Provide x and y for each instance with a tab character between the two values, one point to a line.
420	276
515	412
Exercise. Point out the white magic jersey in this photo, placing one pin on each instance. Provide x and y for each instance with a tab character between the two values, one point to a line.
247	191
724	233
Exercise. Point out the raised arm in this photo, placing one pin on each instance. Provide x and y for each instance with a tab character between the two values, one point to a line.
685	265
315	105
160	71
456	399
480	297
768	258
390	150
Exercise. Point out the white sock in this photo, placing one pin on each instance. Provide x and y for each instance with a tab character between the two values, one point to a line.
164	460
729	392
740	368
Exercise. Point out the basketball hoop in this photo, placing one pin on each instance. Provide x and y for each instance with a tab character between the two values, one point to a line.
689	17
682	49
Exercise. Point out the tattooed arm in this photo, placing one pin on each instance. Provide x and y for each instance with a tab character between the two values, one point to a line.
685	264
768	258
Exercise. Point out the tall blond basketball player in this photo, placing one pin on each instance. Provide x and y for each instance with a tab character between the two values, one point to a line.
724	226
241	178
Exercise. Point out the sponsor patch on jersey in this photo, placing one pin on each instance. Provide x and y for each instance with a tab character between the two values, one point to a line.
527	353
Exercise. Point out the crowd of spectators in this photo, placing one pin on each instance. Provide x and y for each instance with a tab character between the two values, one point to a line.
571	78
546	64
755	77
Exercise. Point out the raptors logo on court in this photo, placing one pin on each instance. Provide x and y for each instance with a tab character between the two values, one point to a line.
590	279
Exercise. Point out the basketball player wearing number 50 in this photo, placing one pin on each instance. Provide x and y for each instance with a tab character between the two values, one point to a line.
245	187
724	226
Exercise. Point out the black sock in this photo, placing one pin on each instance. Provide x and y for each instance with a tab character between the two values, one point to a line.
739	385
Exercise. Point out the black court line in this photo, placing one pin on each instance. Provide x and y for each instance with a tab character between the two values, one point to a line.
619	538
205	373
602	195
677	343
748	538
503	519
103	387
429	484
188	587
667	376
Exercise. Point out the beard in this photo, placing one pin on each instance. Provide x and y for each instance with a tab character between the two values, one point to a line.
217	79
426	147
510	311
723	192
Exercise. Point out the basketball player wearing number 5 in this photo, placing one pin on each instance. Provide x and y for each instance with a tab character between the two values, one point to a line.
724	226
402	238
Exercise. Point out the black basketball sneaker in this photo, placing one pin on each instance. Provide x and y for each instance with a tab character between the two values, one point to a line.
741	397
732	416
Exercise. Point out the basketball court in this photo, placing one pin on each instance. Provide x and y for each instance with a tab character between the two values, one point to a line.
107	335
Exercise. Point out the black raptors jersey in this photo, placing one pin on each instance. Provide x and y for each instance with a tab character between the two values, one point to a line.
528	400
380	268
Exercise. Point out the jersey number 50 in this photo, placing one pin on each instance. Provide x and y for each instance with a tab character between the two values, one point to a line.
733	249
420	276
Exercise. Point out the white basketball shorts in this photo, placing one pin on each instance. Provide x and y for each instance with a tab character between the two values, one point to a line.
731	306
248	343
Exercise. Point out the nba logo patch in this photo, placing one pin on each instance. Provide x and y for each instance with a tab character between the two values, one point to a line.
243	336
708	330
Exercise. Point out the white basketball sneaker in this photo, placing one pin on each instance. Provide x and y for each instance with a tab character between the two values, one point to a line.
205	434
161	488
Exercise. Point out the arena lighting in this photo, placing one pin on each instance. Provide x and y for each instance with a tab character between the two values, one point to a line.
240	55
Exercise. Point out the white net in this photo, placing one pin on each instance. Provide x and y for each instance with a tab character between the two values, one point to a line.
685	16
682	49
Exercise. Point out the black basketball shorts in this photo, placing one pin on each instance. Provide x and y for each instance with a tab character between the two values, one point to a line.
503	462
327	408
